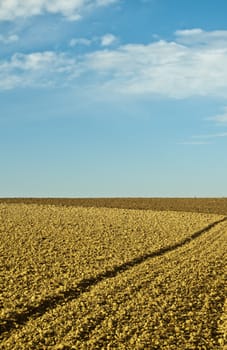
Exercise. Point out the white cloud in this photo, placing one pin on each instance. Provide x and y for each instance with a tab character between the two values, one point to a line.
36	69
8	39
203	139
193	143
164	68
189	32
72	9
210	136
221	118
108	39
168	69
200	37
80	41
105	40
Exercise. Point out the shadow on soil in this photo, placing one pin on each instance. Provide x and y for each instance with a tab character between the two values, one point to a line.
18	319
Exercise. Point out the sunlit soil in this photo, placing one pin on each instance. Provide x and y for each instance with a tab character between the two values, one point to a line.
101	278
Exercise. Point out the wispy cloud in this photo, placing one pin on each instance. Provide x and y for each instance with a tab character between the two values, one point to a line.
71	9
203	139
108	39
221	118
168	69
210	136
80	41
194	143
8	39
200	37
165	68
36	69
105	40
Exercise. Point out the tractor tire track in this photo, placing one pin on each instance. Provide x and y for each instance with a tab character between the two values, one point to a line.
33	312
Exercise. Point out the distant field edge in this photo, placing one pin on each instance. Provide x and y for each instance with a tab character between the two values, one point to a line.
210	205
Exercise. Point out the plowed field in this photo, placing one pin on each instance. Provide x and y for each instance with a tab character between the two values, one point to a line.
104	278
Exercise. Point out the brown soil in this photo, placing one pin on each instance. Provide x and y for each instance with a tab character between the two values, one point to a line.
200	205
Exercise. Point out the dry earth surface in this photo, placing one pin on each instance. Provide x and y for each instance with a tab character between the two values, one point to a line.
199	205
80	277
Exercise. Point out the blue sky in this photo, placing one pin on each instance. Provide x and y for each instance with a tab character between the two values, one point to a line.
113	98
